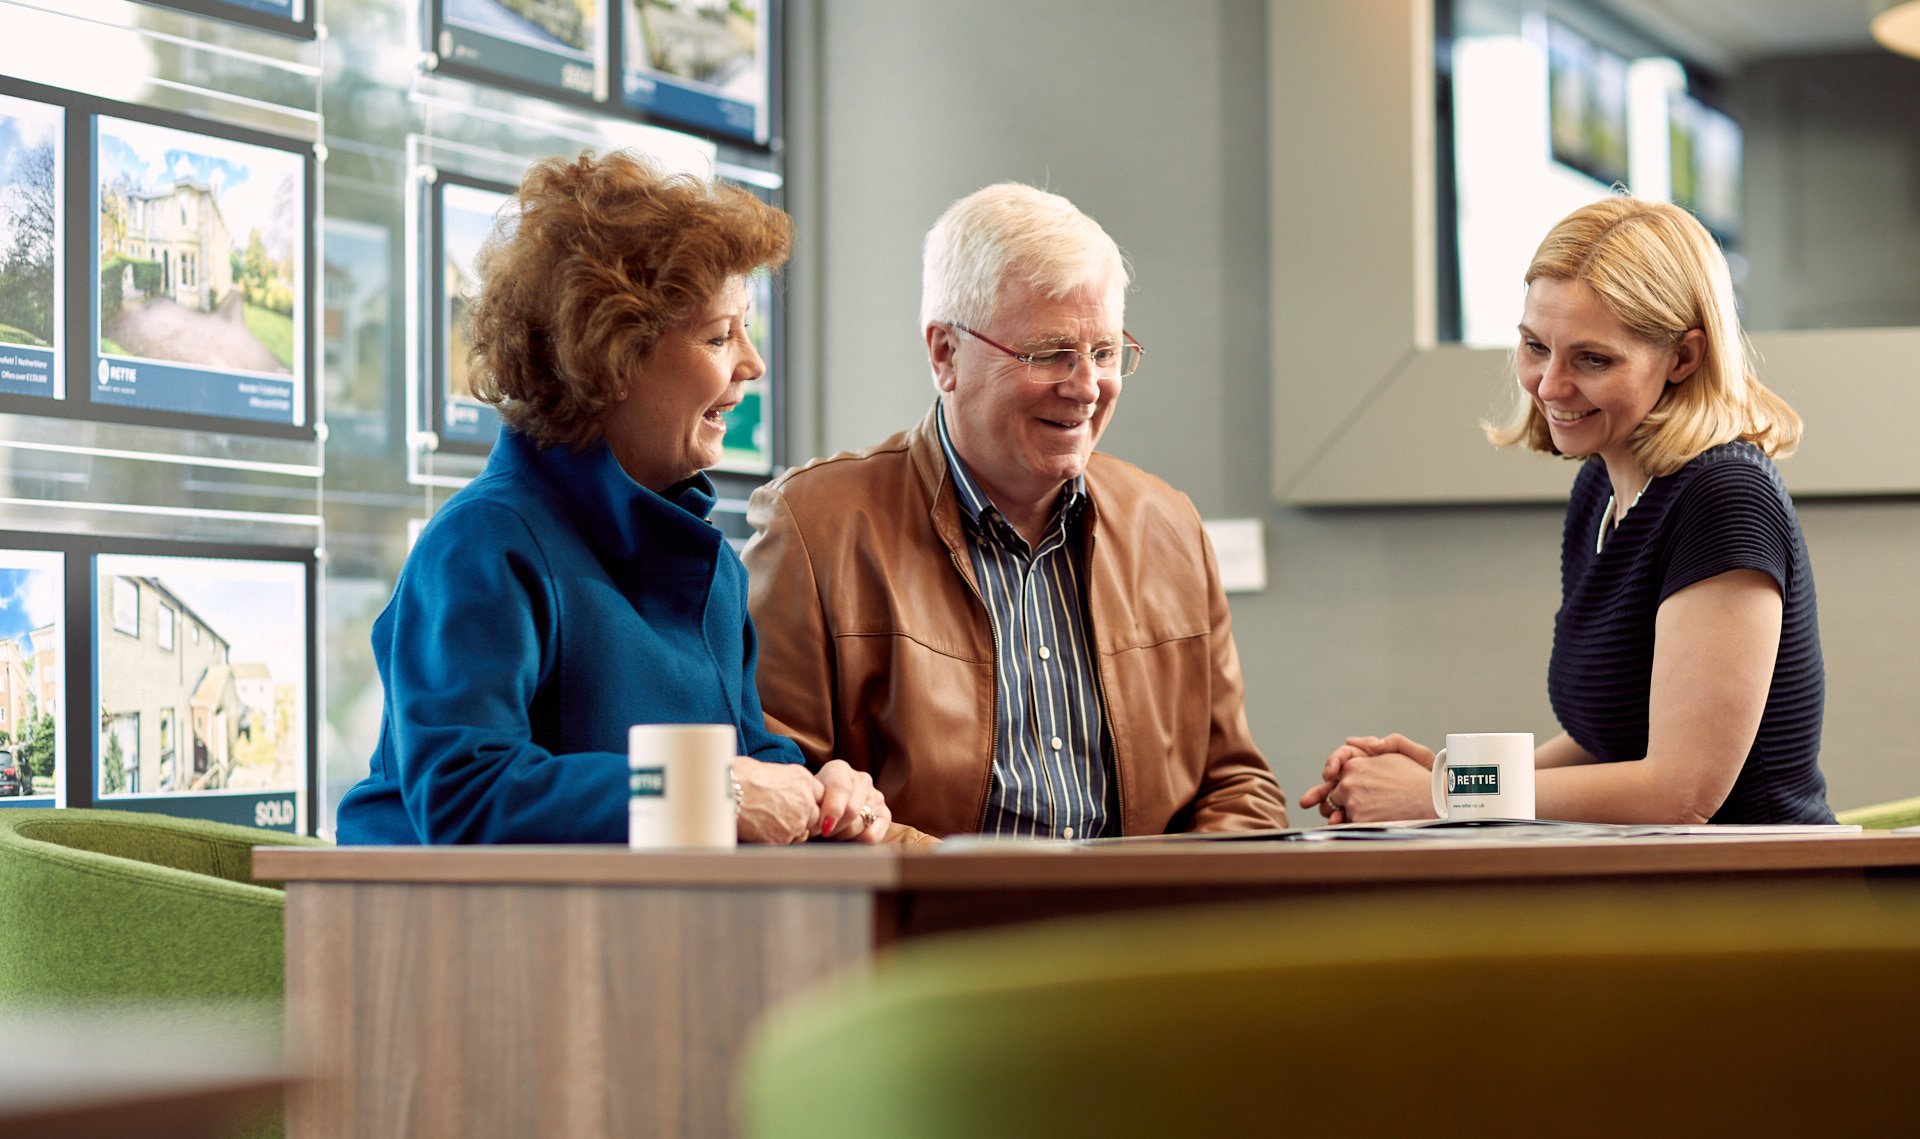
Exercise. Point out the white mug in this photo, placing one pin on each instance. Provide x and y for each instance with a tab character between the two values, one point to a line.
680	779
1484	775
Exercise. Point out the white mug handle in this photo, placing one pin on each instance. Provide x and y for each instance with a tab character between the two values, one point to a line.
1439	783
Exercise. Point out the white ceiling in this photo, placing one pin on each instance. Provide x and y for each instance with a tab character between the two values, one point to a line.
1724	33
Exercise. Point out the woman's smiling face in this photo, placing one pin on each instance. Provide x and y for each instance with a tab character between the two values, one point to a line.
1591	377
670	424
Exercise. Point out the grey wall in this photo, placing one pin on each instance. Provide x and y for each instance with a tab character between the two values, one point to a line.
1151	115
1833	176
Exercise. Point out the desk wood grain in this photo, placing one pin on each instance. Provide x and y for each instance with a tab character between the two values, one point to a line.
488	1009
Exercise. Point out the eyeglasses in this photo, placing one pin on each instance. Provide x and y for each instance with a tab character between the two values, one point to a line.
1058	365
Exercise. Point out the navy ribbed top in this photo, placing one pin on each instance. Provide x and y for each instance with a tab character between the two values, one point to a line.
1725	510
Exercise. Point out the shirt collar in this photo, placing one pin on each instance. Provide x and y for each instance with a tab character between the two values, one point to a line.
976	507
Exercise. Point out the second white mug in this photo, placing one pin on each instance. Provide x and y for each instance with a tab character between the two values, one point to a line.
681	778
1484	775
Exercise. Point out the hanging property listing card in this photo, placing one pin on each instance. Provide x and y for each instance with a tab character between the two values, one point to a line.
32	235
200	274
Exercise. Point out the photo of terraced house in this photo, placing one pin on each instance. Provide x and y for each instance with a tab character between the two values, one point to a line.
182	709
201	242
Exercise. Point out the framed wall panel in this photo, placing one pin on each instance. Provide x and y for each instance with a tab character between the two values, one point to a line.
33	225
709	67
202	682
33	682
288	17
463	212
551	48
1587	105
201	282
753	426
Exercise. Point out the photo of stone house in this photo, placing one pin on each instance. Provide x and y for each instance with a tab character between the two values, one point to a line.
201	249
181	228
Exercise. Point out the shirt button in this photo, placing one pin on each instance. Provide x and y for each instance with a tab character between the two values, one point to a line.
1068	833
1045	652
1056	743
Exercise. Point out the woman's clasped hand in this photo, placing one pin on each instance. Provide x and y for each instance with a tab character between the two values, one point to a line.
1371	779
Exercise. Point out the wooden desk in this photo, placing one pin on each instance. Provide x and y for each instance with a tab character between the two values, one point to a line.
590	991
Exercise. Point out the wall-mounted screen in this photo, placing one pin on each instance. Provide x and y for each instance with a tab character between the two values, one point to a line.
32	236
200	274
202	671
464	215
702	63
1587	100
748	446
288	17
32	677
1705	148
542	46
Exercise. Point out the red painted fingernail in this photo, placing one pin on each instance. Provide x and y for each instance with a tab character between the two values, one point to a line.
826	826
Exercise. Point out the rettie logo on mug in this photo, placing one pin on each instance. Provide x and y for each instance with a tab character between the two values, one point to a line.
648	782
1473	780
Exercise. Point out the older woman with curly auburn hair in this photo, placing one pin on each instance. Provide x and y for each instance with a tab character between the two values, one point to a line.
1686	670
575	588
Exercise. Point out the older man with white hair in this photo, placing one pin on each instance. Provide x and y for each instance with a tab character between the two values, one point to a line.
1014	634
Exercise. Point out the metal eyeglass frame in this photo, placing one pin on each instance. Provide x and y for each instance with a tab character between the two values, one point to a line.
1139	350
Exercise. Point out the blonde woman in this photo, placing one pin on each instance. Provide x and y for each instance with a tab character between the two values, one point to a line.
1686	668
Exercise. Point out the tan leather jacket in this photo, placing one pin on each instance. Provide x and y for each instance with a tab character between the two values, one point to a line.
875	646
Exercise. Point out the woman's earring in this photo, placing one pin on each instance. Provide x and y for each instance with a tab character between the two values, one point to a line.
621	394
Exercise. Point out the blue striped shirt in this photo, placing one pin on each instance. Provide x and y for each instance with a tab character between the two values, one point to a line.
1052	771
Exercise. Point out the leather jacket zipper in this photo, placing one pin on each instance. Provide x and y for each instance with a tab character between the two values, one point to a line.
993	728
1100	685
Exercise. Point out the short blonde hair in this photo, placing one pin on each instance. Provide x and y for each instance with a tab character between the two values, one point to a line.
605	255
1660	273
1011	231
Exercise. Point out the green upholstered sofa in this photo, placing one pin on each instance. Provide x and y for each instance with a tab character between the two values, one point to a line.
1884	816
123	905
121	909
1734	1012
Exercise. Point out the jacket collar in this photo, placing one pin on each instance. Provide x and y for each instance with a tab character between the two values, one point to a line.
616	516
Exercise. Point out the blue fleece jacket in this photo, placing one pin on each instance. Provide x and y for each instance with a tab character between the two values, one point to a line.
547	606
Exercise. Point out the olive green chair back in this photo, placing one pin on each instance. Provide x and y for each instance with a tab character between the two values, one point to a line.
1595	1014
123	905
1884	816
